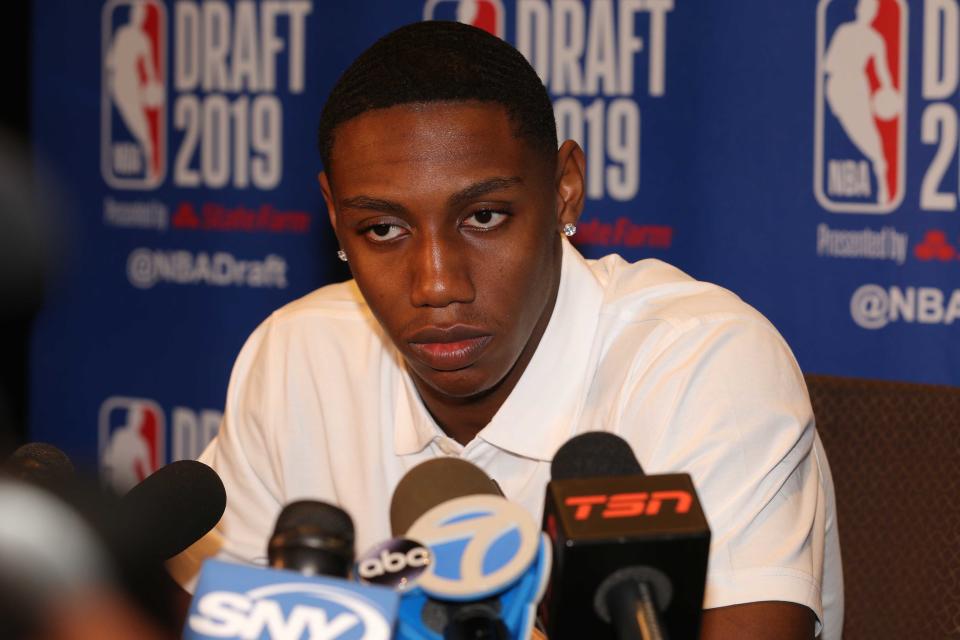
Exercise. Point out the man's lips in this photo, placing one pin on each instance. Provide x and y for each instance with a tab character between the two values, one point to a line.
449	348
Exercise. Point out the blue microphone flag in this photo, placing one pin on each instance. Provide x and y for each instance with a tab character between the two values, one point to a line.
240	601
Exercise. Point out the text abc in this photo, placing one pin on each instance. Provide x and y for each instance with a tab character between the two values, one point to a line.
393	562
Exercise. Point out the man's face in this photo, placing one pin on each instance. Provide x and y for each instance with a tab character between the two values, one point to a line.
450	223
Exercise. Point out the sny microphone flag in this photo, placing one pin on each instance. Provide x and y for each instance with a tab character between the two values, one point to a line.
240	601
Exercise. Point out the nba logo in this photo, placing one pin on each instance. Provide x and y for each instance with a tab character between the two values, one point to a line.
483	14
860	137
132	99
131	440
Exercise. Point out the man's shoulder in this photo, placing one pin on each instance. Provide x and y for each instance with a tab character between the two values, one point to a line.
329	329
340	302
331	315
651	290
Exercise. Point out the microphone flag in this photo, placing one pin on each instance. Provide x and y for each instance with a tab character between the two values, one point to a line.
486	551
241	601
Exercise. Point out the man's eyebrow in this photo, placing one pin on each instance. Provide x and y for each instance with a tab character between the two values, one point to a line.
460	198
482	188
372	204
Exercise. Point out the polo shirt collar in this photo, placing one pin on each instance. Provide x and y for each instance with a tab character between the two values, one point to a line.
546	404
543	408
414	427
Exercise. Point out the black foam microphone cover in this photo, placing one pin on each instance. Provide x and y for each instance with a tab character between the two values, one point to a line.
313	538
39	463
174	507
594	454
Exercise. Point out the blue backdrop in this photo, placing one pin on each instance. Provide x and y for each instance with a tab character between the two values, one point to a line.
802	154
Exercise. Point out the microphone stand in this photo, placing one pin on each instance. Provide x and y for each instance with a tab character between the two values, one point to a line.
633	612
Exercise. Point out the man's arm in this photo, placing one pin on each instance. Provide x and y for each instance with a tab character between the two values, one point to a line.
758	621
732	411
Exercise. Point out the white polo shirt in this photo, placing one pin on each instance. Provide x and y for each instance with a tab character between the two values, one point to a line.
320	406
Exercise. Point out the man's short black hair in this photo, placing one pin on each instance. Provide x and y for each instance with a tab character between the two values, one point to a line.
440	61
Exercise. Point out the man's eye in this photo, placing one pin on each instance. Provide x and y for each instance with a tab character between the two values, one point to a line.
485	219
383	232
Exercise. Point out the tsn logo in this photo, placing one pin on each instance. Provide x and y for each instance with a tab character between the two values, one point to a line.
629	505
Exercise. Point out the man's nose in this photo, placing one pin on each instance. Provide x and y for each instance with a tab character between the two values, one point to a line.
440	273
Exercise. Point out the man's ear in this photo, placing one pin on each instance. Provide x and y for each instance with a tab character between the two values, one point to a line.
328	198
571	168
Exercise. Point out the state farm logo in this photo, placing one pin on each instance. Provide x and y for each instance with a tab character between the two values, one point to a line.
133	100
628	505
483	14
860	128
132	440
287	611
935	247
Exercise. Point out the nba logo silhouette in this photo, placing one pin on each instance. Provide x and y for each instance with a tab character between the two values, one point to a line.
483	14
861	108
132	100
131	440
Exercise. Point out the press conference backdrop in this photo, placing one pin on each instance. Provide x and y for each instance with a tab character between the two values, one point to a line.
802	154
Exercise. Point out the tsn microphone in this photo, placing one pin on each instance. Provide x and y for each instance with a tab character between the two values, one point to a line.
303	593
630	550
488	562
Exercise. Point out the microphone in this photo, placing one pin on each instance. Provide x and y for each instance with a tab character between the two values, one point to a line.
157	519
303	591
630	550
433	482
313	538
488	565
125	538
39	463
173	508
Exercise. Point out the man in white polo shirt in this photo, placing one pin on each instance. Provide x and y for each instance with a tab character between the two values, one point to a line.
473	328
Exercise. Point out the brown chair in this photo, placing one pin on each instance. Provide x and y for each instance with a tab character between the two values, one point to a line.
894	450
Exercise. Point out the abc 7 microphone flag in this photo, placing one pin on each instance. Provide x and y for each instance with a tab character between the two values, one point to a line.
488	566
483	548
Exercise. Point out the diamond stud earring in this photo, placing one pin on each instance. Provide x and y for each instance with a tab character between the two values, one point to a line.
342	255
569	229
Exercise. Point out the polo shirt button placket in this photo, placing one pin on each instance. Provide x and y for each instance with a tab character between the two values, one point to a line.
447	447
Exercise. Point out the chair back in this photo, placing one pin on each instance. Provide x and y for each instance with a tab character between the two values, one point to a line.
894	451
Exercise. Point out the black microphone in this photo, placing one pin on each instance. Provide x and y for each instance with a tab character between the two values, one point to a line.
630	550
133	534
173	508
39	463
313	538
